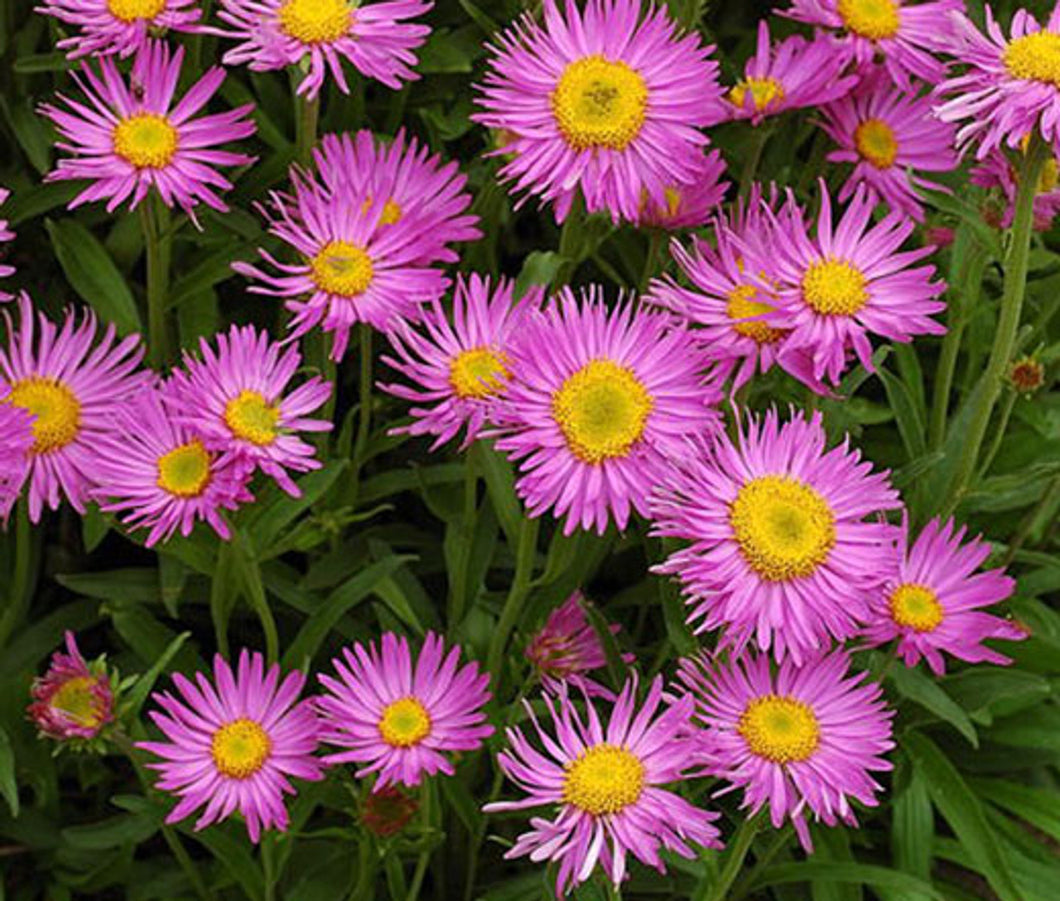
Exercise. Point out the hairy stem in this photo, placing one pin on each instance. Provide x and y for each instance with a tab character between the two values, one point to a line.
525	555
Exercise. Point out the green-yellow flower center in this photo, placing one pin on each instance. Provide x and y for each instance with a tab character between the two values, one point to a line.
146	140
342	268
56	408
604	779
915	607
876	143
252	418
479	372
185	470
873	19
316	21
835	287
599	103
240	748
763	91
135	10
741	305
780	729
77	699
404	723
1035	57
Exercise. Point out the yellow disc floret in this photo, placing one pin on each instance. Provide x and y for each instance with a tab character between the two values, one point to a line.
915	607
763	91
185	471
872	19
479	372
316	21
146	140
240	748
135	10
604	779
780	729
740	305
1035	57
835	287
404	723
77	699
876	143
56	408
342	268
599	103
252	418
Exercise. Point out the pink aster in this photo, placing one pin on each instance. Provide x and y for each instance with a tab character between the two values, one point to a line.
607	100
786	545
998	170
236	399
72	700
16	445
933	603
603	780
598	400
6	235
315	36
689	205
118	26
398	717
235	744
71	384
127	138
802	739
158	472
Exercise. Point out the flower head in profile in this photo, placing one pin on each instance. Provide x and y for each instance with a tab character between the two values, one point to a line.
800	739
599	399
1027	375
315	36
236	399
458	362
71	384
934	602
999	169
16	445
6	235
401	718
606	100
130	138
235	743
782	550
118	26
604	778
388	811
689	205
73	700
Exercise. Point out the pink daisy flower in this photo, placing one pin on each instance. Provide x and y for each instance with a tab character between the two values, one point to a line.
235	744
401	718
997	170
781	553
689	205
458	362
72	700
889	136
804	739
6	235
236	400
16	445
70	384
933	603
846	282
598	399
606	778
905	33
159	473
129	138
118	26
315	36
794	74
607	100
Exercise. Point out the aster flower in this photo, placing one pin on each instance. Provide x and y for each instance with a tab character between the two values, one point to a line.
459	361
317	35
16	444
6	234
401	718
606	778
118	26
599	398
606	100
70	384
997	170
129	138
388	811
933	603
781	553
236	400
72	700
158	472
889	136
803	739
235	744
689	205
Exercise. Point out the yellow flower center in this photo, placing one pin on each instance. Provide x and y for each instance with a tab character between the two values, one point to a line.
780	729
784	528
915	607
240	748
134	10
764	91
873	19
316	21
78	701
598	103
876	143
252	418
405	723
1049	178
56	407
604	779
146	140
185	470
741	304
342	268
479	372
1035	57
835	287
601	410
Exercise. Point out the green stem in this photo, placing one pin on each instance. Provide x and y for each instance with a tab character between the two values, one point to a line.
1031	520
459	587
738	848
739	890
364	410
525	556
759	139
154	218
425	856
268	865
307	118
365	870
652	259
20	588
571	236
999	434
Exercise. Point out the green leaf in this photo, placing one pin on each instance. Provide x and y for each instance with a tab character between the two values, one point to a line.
914	685
856	873
126	829
500	481
913	830
910	422
234	857
1038	806
8	785
139	692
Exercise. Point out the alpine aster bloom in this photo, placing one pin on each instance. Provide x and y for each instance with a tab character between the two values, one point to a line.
70	384
689	205
933	603
6	234
129	138
802	738
605	100
118	26
236	400
458	362
315	36
780	551
607	780
400	718
16	444
72	700
599	399
997	170
158	472
235	744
